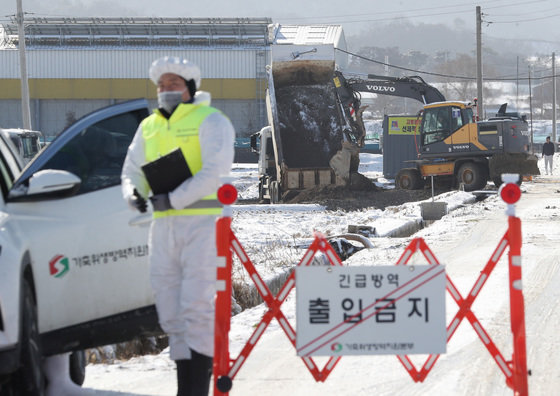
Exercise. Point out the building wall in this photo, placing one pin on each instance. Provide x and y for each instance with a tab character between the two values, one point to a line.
66	84
107	88
124	63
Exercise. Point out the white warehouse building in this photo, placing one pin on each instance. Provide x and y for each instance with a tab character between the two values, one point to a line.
77	65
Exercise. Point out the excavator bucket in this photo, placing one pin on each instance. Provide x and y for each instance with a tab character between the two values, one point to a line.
342	161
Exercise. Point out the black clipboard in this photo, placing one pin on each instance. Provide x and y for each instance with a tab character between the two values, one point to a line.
167	172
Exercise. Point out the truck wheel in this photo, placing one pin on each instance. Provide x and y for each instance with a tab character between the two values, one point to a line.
30	377
274	192
78	367
408	179
262	199
472	176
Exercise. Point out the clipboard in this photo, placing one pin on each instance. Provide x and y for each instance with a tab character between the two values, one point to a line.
167	172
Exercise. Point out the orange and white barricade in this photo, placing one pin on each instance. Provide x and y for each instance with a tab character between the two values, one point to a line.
226	368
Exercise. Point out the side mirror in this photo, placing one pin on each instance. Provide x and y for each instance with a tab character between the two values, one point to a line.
46	184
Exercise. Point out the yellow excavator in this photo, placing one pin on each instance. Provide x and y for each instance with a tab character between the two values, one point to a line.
449	142
452	143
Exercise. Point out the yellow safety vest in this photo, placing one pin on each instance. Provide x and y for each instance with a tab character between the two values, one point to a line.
161	136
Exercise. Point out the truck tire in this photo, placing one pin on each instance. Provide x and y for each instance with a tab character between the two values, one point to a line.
78	367
274	192
262	199
30	377
408	179
472	176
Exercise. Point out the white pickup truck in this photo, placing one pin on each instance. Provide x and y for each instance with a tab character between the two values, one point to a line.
73	270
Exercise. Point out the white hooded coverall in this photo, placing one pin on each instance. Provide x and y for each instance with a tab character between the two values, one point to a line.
182	249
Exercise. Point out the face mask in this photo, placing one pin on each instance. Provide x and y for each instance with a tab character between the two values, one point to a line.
168	100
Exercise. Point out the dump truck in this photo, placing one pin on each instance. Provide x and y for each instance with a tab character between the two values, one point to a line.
309	141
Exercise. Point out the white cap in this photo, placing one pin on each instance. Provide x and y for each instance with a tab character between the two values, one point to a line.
175	65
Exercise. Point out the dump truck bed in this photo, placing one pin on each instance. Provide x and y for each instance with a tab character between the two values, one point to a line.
305	115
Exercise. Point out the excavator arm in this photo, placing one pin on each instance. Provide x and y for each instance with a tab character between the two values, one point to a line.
413	87
349	89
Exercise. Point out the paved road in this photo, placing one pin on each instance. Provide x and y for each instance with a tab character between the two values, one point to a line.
464	241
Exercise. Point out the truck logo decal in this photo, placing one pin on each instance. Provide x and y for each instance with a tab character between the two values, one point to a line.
336	347
380	88
58	266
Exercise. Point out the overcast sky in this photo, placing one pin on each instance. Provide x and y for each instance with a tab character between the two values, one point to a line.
530	19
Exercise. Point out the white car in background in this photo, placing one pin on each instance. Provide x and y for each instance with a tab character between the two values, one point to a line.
73	271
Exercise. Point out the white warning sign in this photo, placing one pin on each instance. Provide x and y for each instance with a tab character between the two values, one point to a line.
372	310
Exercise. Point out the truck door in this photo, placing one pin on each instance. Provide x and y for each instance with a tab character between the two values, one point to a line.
436	127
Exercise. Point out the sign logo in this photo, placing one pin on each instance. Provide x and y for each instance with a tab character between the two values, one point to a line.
336	347
59	266
380	88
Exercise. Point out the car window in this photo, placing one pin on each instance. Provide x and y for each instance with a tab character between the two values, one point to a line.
31	145
456	119
468	115
97	153
436	125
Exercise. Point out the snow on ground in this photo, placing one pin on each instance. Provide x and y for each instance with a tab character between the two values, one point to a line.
463	240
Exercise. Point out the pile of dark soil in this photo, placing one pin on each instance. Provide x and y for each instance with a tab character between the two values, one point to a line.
310	124
350	199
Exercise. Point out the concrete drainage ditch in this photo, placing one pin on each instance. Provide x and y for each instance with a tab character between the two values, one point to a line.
247	296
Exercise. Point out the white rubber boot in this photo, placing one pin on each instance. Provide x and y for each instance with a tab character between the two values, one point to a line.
57	371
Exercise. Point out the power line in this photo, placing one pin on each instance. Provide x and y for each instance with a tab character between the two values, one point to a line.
441	74
400	67
539	12
456	9
525	20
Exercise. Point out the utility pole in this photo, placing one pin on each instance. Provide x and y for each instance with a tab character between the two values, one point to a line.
517	86
479	62
25	109
531	110
554	98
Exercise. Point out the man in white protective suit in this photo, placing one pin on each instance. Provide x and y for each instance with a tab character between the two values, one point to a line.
182	233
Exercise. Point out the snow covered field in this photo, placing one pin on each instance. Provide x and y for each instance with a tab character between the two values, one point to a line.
463	240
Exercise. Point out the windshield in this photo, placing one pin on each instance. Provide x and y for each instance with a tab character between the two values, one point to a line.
30	146
435	125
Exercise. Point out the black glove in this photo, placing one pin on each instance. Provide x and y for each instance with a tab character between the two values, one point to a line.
137	202
160	202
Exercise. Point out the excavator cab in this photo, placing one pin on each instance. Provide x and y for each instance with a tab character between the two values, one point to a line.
446	127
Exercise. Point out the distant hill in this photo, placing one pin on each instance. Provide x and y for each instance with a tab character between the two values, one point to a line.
431	38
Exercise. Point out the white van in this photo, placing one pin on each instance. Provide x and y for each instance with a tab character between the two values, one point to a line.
28	143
